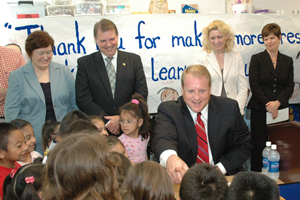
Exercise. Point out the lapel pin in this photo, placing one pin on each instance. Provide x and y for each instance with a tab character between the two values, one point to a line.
124	64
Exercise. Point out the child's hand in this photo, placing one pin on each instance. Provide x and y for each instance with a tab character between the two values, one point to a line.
113	126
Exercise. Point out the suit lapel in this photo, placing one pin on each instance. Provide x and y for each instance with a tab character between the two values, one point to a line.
268	62
227	63
101	69
54	80
212	61
280	63
190	128
121	69
32	80
213	125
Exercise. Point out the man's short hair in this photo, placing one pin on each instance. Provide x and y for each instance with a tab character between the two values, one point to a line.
203	182
198	71
250	185
5	131
105	25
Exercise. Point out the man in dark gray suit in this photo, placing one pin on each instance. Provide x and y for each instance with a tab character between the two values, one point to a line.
97	92
175	136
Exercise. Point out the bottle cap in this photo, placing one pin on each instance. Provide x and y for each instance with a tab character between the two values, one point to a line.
268	143
274	147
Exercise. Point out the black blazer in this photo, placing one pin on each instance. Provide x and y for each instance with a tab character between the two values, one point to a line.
93	91
269	84
229	136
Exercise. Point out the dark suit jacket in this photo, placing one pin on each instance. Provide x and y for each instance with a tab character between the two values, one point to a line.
229	136
269	84
93	91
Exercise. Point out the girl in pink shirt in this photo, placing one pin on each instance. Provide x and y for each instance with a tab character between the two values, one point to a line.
136	126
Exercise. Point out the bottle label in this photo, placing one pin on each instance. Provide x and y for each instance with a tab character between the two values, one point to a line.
273	166
265	163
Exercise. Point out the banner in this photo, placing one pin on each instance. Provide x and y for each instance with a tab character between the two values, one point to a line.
166	43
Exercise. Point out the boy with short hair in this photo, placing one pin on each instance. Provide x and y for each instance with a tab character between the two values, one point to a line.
12	149
203	181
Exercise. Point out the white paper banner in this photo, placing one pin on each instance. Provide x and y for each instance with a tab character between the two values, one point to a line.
166	43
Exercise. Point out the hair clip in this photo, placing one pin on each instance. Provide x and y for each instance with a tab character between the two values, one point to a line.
29	179
135	101
12	173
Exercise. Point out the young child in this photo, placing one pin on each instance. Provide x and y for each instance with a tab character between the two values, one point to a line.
80	167
121	167
203	181
147	180
26	183
136	126
12	149
97	121
30	141
115	145
49	132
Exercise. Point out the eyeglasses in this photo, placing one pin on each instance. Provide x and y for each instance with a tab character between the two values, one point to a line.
128	123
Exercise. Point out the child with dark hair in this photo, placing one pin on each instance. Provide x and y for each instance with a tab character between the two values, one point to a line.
251	185
49	132
30	141
80	167
203	182
25	184
99	123
12	149
147	180
115	145
136	127
121	167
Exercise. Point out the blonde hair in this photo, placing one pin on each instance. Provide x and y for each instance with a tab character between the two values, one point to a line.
224	29
148	181
80	167
198	71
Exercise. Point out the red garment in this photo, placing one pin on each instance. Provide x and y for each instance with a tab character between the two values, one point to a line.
10	60
202	155
4	171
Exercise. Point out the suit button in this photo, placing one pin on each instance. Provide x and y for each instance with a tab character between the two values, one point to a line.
274	79
274	90
274	85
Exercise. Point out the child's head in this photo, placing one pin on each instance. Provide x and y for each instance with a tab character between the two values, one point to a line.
203	181
253	186
49	132
147	180
26	183
134	117
121	167
80	167
115	145
28	132
12	145
99	123
69	118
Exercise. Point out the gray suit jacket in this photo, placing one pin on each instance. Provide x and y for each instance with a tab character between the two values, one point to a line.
25	97
229	136
93	91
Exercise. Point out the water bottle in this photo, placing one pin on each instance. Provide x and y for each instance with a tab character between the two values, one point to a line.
265	155
274	157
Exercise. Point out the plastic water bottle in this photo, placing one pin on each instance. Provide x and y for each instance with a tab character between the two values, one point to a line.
274	157
265	155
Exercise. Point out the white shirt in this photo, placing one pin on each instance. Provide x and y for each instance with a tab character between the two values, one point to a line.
167	153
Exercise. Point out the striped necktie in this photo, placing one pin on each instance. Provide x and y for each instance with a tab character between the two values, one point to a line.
202	155
111	74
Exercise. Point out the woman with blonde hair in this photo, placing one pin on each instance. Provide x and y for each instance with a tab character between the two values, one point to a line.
225	66
80	167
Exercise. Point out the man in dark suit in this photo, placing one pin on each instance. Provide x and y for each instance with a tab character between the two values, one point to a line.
96	91
175	136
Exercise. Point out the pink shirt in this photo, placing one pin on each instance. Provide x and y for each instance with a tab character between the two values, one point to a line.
136	148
